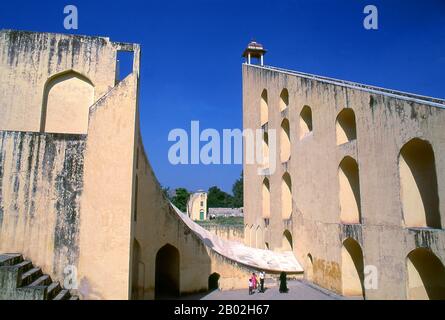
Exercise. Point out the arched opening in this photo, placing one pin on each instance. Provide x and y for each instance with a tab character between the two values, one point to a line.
138	272
285	141
265	148
266	245
309	268
67	99
426	276
214	281
349	185
287	244
352	268
286	196
266	198
167	273
345	126
284	99
264	109
418	185
305	121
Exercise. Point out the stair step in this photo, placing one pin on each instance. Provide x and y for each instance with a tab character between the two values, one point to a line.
23	266
41	281
30	275
63	295
74	298
53	290
9	259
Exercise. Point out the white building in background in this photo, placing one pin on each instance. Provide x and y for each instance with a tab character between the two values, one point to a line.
197	206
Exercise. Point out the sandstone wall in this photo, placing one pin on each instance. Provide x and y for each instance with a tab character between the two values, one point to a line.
385	122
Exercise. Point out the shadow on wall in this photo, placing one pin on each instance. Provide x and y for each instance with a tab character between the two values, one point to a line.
426	275
352	270
167	281
418	182
214	281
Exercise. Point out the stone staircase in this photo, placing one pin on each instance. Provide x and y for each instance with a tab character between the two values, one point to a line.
20	280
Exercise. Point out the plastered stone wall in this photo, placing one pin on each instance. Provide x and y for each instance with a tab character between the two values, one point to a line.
32	59
76	188
232	233
385	121
41	183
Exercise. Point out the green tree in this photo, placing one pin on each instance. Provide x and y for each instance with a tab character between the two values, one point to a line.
216	198
181	198
238	195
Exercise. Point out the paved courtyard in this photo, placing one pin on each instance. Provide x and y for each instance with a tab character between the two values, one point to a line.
298	290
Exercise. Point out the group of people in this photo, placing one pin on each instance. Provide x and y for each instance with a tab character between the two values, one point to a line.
253	283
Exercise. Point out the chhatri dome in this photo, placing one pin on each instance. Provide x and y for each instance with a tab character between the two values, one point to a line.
254	50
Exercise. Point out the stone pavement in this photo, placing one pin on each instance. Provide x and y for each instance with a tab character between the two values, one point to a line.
298	290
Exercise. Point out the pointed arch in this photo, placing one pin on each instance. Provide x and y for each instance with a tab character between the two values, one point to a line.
352	269
425	275
264	108
285	144
167	277
418	185
286	196
266	198
309	272
349	191
305	121
284	99
67	98
345	126
287	241
265	150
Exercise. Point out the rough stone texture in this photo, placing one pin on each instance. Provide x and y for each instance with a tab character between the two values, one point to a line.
41	184
88	200
232	233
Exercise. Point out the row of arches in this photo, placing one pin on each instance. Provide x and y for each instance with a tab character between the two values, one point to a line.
285	200
345	123
418	187
416	162
425	273
254	236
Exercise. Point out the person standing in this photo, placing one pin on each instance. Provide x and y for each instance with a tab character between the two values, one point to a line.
254	281
283	283
250	286
262	275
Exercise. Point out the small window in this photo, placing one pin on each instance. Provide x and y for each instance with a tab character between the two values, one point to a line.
124	64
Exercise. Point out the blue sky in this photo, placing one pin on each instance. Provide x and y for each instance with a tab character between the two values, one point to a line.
191	56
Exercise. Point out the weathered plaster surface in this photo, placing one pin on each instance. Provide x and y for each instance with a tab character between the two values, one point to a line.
385	121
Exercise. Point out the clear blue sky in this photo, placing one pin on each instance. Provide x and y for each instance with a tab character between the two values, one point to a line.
191	59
